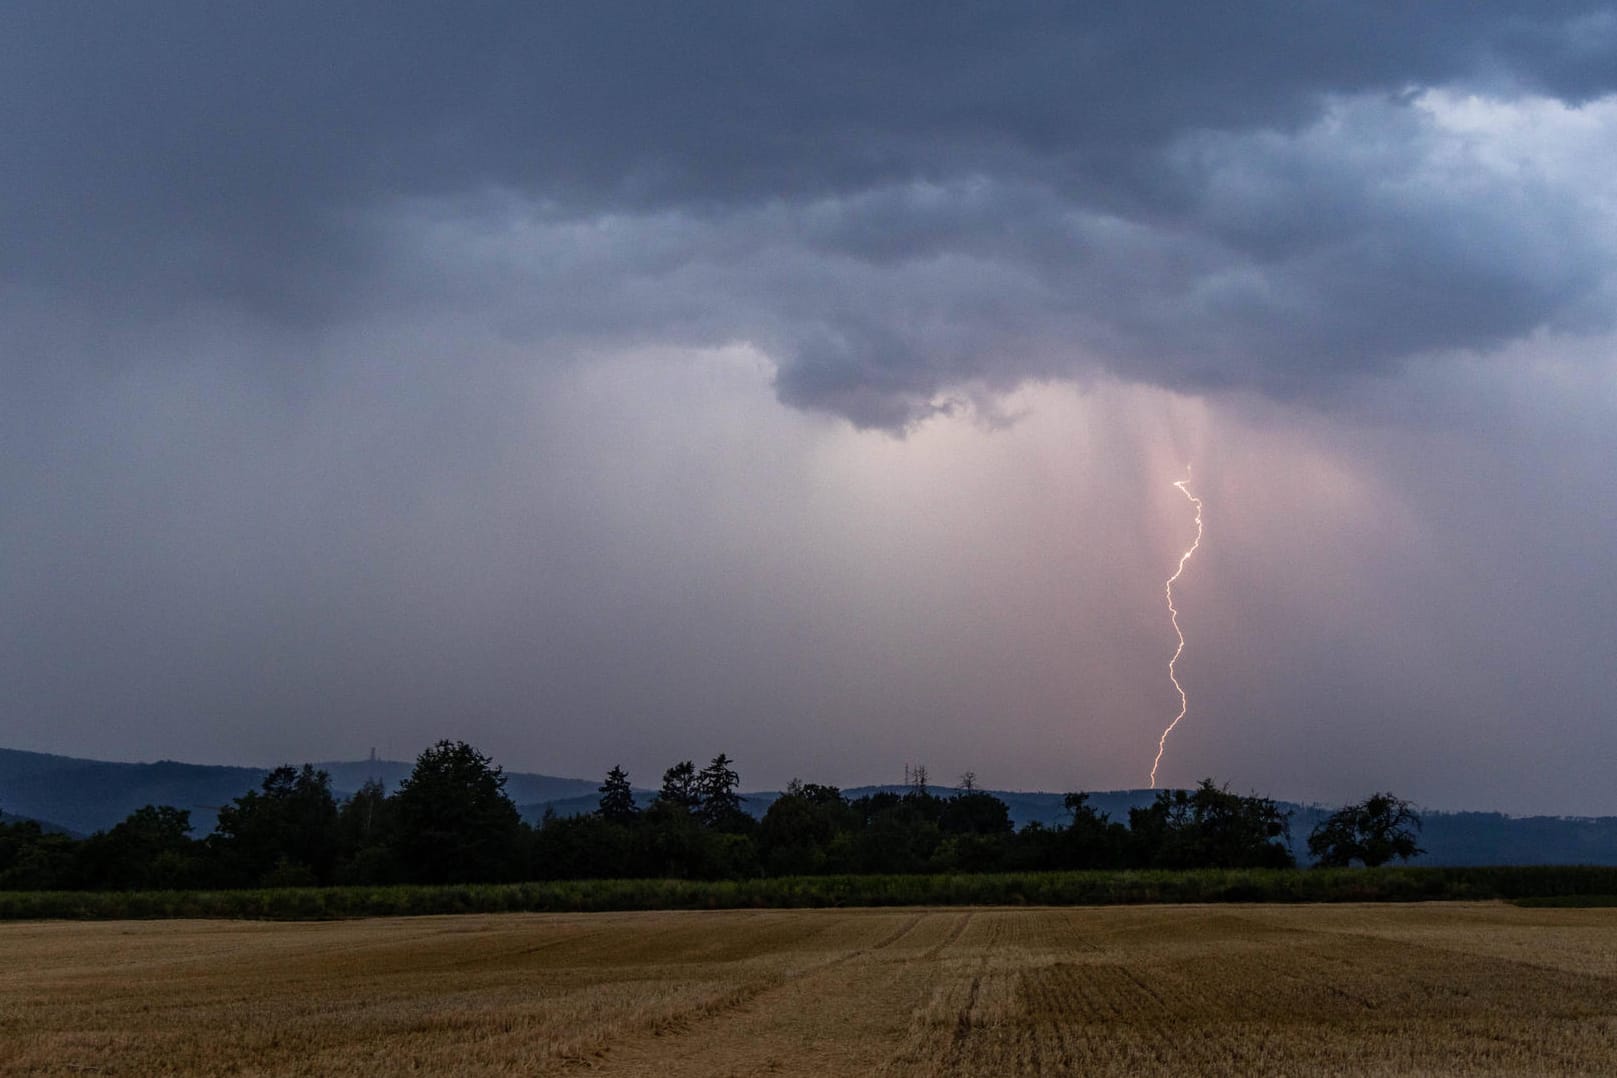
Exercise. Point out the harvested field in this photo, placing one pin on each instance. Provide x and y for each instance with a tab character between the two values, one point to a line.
1203	990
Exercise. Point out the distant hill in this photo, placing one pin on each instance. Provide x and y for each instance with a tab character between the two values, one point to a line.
522	786
45	825
1490	838
85	796
92	795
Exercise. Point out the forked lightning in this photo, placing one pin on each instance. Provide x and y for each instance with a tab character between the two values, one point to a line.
1173	615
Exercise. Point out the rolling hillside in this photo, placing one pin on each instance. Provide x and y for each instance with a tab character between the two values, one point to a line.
92	795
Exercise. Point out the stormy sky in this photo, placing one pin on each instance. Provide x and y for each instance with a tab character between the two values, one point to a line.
807	381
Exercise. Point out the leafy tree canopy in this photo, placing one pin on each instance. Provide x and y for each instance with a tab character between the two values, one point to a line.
1373	831
1211	827
455	822
288	823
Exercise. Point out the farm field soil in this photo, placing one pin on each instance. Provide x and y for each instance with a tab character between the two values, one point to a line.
1162	990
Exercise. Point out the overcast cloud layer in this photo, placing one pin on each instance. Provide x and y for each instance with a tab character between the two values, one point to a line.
626	383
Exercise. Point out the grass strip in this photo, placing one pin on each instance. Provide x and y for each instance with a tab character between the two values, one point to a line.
1529	885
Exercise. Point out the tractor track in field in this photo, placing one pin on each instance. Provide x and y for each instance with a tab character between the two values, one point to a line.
1380	991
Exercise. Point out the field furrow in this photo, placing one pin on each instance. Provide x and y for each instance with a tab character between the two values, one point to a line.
1480	989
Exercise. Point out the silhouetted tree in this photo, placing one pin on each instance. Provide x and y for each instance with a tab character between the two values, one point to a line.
33	859
455	822
976	829
283	833
588	846
916	778
365	826
1090	839
800	832
679	786
974	813
899	834
365	817
868	807
1373	831
718	804
150	849
617	798
1209	827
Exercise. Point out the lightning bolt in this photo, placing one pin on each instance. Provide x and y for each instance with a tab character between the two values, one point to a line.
1183	486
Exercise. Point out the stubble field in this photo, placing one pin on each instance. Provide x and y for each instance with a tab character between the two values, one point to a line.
1204	990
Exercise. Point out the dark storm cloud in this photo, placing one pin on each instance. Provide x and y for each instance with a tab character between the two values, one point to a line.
372	373
1192	194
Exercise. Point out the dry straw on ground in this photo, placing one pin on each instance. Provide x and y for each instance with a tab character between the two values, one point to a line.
1228	990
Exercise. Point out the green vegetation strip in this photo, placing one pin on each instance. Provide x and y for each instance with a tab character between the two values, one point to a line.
1544	885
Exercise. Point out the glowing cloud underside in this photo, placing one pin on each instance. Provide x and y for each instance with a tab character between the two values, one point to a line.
1173	615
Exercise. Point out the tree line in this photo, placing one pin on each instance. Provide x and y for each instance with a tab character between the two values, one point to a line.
451	821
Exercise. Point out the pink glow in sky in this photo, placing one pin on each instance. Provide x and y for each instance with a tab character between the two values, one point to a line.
809	383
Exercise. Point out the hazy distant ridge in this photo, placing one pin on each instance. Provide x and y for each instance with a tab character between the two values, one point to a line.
91	795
